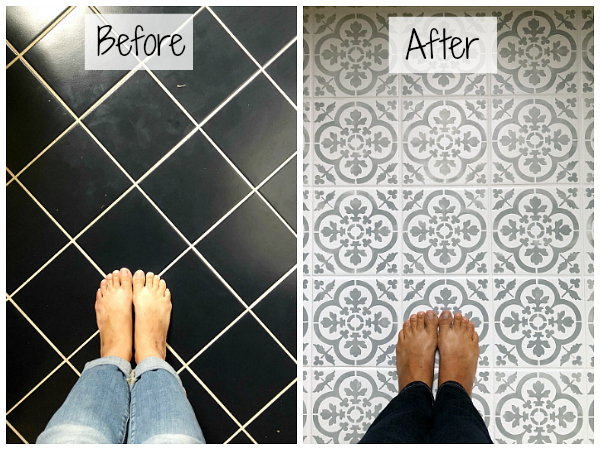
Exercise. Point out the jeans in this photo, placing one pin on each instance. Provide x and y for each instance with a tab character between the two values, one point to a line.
412	417
113	404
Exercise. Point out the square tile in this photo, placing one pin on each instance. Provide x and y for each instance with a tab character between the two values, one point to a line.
220	67
262	30
586	21
445	141
355	231
59	57
588	229
185	198
306	407
539	322
588	321
535	140
355	142
336	393
524	36
278	312
10	55
264	249
202	305
11	436
132	234
33	124
306	320
306	137
280	192
587	136
215	423
539	407
306	234
256	129
283	72
355	321
25	23
137	132
32	416
63	293
27	369
31	237
268	428
446	231
444	84
75	180
87	353
259	362
537	230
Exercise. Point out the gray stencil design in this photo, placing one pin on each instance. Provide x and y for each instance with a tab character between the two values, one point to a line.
355	142
355	322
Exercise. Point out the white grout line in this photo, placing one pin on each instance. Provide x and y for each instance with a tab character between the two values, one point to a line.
16	432
273	400
84	344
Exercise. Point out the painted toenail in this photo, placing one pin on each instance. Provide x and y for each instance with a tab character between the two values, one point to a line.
445	315
430	315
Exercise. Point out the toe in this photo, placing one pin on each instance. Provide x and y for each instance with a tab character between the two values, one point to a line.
476	337
168	295
98	295
116	275
138	280
109	280
413	321
431	322
103	286
457	321
401	335
406	325
149	279
421	320
470	329
156	281
445	321
126	278
162	286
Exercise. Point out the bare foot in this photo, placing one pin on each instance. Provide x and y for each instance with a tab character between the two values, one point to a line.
415	352
152	303
113	315
459	350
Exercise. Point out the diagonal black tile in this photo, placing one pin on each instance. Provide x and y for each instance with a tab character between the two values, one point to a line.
278	312
28	356
277	423
256	129
195	186
215	423
260	370
89	352
75	180
32	416
11	437
220	67
262	30
31	237
25	23
172	359
132	234
280	191
138	132
251	249
283	71
202	305
60	300
240	438
59	57
34	117
9	55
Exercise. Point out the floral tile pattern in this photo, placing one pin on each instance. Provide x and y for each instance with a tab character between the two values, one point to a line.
485	179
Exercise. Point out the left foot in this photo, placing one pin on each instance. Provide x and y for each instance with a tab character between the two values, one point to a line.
415	352
114	315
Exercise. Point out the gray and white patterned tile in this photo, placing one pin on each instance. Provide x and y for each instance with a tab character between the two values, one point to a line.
306	406
471	296
588	229
445	141
535	140
306	231
587	49
537	52
355	231
346	401
307	308
587	136
307	142
355	142
445	231
540	407
355	322
537	230
589	321
539	322
590	405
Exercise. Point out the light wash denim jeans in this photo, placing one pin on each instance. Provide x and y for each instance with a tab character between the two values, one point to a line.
113	404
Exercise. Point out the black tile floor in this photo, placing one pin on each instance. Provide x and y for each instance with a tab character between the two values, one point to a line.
196	183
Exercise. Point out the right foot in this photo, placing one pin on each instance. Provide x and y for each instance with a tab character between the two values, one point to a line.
459	350
415	352
152	303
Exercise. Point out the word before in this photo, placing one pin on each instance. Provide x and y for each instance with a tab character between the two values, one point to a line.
454	42
122	41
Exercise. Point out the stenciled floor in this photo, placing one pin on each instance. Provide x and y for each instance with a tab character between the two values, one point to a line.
465	192
190	175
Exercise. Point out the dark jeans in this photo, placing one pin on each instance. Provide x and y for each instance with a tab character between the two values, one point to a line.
412	417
